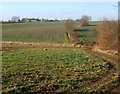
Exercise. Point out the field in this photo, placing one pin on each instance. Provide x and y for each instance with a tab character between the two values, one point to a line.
45	32
40	59
88	33
53	70
35	32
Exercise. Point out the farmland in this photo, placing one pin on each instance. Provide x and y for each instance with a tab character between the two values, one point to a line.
52	70
45	32
88	33
38	60
35	32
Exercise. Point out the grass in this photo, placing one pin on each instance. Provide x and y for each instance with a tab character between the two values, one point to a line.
52	70
53	32
88	33
35	32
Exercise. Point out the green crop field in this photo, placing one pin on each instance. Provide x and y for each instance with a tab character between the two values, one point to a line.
88	33
53	32
52	70
35	32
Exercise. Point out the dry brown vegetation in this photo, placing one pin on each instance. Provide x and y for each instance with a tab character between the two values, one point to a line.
73	36
119	35
108	34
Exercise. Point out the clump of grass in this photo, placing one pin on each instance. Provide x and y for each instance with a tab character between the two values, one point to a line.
108	35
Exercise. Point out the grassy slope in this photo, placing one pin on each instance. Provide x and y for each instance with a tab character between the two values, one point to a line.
54	69
88	33
35	32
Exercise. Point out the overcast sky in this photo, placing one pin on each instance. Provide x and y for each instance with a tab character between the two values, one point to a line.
59	10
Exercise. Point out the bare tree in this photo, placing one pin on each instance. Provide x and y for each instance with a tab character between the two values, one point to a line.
24	20
69	24
15	18
84	21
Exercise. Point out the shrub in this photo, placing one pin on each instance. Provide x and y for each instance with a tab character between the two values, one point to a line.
73	36
108	34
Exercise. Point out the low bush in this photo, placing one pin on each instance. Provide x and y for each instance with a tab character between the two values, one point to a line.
107	31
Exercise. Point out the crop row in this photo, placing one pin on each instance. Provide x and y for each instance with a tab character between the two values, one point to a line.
58	70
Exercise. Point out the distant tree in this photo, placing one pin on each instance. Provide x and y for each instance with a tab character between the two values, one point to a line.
69	24
42	20
77	19
15	18
84	21
24	20
56	20
9	20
